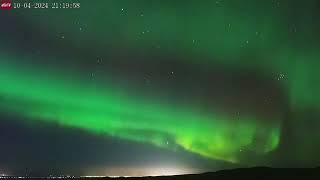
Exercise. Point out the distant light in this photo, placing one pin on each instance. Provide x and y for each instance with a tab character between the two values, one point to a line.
92	176
114	176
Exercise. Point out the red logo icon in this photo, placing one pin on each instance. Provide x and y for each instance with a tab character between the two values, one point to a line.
6	4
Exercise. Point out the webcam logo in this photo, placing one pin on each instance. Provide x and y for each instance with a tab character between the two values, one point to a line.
6	4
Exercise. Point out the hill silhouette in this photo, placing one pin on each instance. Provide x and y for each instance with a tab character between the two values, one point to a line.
241	173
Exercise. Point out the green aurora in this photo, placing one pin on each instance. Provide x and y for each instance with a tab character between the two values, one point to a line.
276	39
108	110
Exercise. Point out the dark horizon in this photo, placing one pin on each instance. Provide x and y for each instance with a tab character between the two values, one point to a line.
248	173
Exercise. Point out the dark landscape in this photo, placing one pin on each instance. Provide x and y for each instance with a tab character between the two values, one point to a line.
241	173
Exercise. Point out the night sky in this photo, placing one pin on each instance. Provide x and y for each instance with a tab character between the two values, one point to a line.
146	87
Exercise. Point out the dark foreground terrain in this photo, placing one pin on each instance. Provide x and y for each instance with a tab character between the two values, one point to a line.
245	173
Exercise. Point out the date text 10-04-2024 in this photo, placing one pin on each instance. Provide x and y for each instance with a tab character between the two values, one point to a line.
29	5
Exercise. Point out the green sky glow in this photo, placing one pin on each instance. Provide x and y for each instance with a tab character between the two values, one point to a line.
107	110
279	40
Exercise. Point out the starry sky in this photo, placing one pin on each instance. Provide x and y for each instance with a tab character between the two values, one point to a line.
148	87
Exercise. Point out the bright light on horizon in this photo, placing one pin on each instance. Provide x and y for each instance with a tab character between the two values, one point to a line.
115	172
